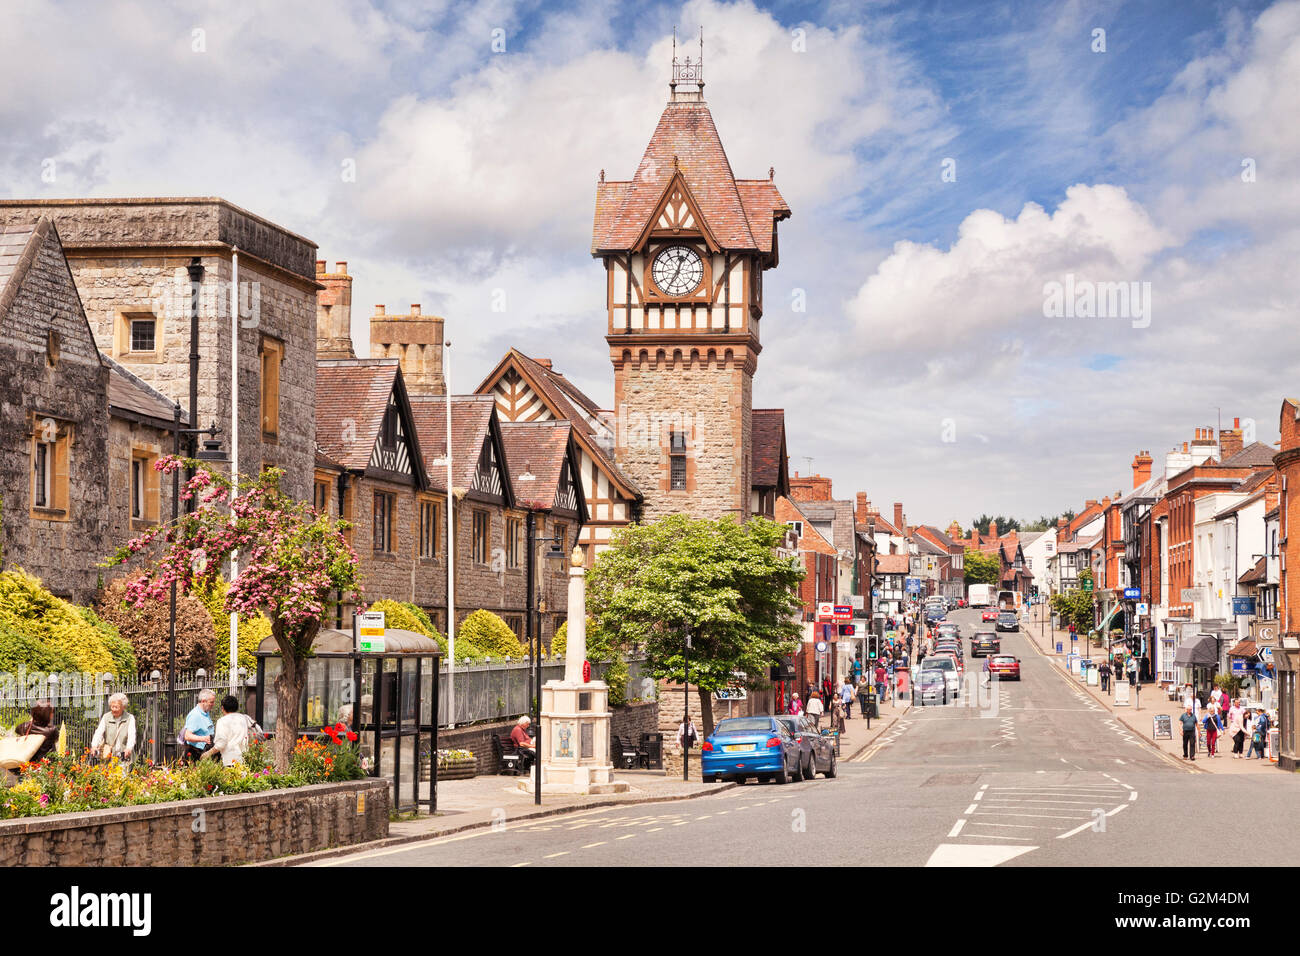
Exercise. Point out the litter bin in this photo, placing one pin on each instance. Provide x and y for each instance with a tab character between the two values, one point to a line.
873	707
653	745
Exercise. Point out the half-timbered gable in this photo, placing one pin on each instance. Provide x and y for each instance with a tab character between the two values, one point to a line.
770	462
530	390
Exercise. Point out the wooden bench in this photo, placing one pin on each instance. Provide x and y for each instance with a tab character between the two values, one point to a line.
626	755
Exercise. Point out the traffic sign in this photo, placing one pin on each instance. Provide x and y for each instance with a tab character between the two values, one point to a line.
1266	655
913	585
821	647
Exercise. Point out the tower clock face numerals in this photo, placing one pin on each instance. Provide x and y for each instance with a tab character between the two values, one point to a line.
678	270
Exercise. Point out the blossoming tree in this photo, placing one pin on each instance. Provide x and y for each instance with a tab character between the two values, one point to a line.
293	562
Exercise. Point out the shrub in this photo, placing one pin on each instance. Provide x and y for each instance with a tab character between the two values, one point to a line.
146	629
121	649
252	631
29	609
491	635
401	616
18	650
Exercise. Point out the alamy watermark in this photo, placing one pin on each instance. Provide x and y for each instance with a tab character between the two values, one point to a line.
1084	299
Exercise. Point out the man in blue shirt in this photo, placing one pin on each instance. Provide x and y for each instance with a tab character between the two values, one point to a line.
199	727
1188	721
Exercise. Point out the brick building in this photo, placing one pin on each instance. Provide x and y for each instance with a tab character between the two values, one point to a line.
1287	653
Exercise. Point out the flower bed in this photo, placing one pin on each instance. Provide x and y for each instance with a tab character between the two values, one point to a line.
74	783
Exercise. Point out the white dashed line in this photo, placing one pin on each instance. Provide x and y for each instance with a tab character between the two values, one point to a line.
957	828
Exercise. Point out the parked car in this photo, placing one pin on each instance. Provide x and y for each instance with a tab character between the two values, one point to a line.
989	614
1007	621
931	687
985	642
953	647
743	747
949	630
1004	667
947	665
934	613
817	753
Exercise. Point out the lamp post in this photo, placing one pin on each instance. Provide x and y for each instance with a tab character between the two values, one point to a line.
211	452
686	706
555	552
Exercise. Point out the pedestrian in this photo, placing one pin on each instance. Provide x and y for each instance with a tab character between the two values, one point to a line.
1249	726
1259	737
881	683
1105	673
199	727
1211	729
846	698
796	705
1188	721
815	709
234	733
988	672
1132	671
41	724
1216	696
837	715
115	735
1237	728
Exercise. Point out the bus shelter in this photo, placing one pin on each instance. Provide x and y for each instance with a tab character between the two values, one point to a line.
388	698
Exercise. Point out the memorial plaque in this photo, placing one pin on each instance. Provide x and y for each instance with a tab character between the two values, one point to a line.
587	735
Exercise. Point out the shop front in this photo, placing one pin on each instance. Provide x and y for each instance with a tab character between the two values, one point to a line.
1197	662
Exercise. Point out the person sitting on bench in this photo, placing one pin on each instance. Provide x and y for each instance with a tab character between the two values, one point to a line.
524	742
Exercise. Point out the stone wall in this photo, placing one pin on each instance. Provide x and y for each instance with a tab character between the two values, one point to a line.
216	831
124	439
66	397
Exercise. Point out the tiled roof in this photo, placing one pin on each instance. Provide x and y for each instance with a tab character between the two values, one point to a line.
767	447
18	245
129	393
1244	649
323	460
1253	455
936	536
891	564
569	402
471	422
1256	575
764	207
686	141
351	399
538	449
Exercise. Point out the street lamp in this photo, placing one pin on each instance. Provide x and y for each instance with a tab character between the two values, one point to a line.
211	452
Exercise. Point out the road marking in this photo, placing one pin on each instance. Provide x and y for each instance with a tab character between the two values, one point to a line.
957	828
1117	760
994	836
1040	816
525	863
551	856
598	843
654	830
959	854
1133	796
1126	786
980	795
627	836
681	823
984	786
705	817
971	809
1018	826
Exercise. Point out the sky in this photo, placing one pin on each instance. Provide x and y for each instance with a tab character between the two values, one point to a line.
956	171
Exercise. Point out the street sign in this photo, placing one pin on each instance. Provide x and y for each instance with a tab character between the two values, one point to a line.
1243	605
875	592
735	690
1143	608
1192	595
821	647
1266	655
370	632
1087	584
844	612
1132	594
825	610
913	585
848	630
1238	665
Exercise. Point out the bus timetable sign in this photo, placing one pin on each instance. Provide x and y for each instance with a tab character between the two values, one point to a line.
370	632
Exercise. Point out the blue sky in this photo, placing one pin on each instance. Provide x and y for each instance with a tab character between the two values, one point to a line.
476	170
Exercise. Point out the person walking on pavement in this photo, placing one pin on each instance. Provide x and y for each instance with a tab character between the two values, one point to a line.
1105	673
1211	729
1188	721
863	685
1237	728
1259	738
846	698
1132	671
881	683
815	709
796	705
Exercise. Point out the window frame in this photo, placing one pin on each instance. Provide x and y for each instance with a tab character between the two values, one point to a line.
271	355
514	548
480	536
389	509
428	538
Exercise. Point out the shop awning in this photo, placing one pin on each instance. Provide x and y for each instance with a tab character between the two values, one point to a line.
1199	651
1105	622
1244	649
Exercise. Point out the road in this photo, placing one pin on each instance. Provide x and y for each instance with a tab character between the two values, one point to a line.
1029	773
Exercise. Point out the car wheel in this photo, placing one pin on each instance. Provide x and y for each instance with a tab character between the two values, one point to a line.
761	778
709	778
809	771
781	777
830	774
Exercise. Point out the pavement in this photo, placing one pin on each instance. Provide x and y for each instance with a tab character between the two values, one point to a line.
1139	715
494	802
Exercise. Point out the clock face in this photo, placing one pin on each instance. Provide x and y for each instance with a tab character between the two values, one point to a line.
678	270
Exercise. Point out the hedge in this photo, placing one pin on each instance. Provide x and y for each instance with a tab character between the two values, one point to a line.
30	610
491	635
146	629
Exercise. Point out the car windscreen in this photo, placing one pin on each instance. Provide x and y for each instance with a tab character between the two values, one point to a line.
937	663
743	725
791	723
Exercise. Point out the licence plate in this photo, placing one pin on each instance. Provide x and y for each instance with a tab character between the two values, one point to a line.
737	748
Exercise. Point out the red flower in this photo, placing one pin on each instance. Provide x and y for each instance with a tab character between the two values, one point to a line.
351	735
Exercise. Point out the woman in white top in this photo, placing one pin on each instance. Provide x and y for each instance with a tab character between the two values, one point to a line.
815	708
115	735
231	737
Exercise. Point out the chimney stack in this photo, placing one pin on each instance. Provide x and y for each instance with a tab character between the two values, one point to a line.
1141	468
334	312
1230	439
415	340
862	508
898	515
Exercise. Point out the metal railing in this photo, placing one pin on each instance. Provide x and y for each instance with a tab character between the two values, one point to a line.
499	690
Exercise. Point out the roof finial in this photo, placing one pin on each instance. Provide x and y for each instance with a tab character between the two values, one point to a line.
685	71
771	174
699	77
602	175
672	84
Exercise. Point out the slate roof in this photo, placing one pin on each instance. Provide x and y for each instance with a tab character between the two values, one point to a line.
351	399
538	449
936	537
767	448
687	141
471	423
1253	455
18	246
128	393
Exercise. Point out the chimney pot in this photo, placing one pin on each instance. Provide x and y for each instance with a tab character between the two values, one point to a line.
1236	423
320	267
379	310
415	308
341	268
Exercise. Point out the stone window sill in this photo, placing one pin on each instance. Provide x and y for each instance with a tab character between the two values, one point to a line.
50	514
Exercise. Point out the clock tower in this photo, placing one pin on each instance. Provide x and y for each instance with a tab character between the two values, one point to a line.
685	244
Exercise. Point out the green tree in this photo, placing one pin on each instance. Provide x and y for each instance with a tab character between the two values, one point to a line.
721	579
981	567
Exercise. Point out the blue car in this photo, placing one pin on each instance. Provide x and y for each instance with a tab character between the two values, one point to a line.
743	747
